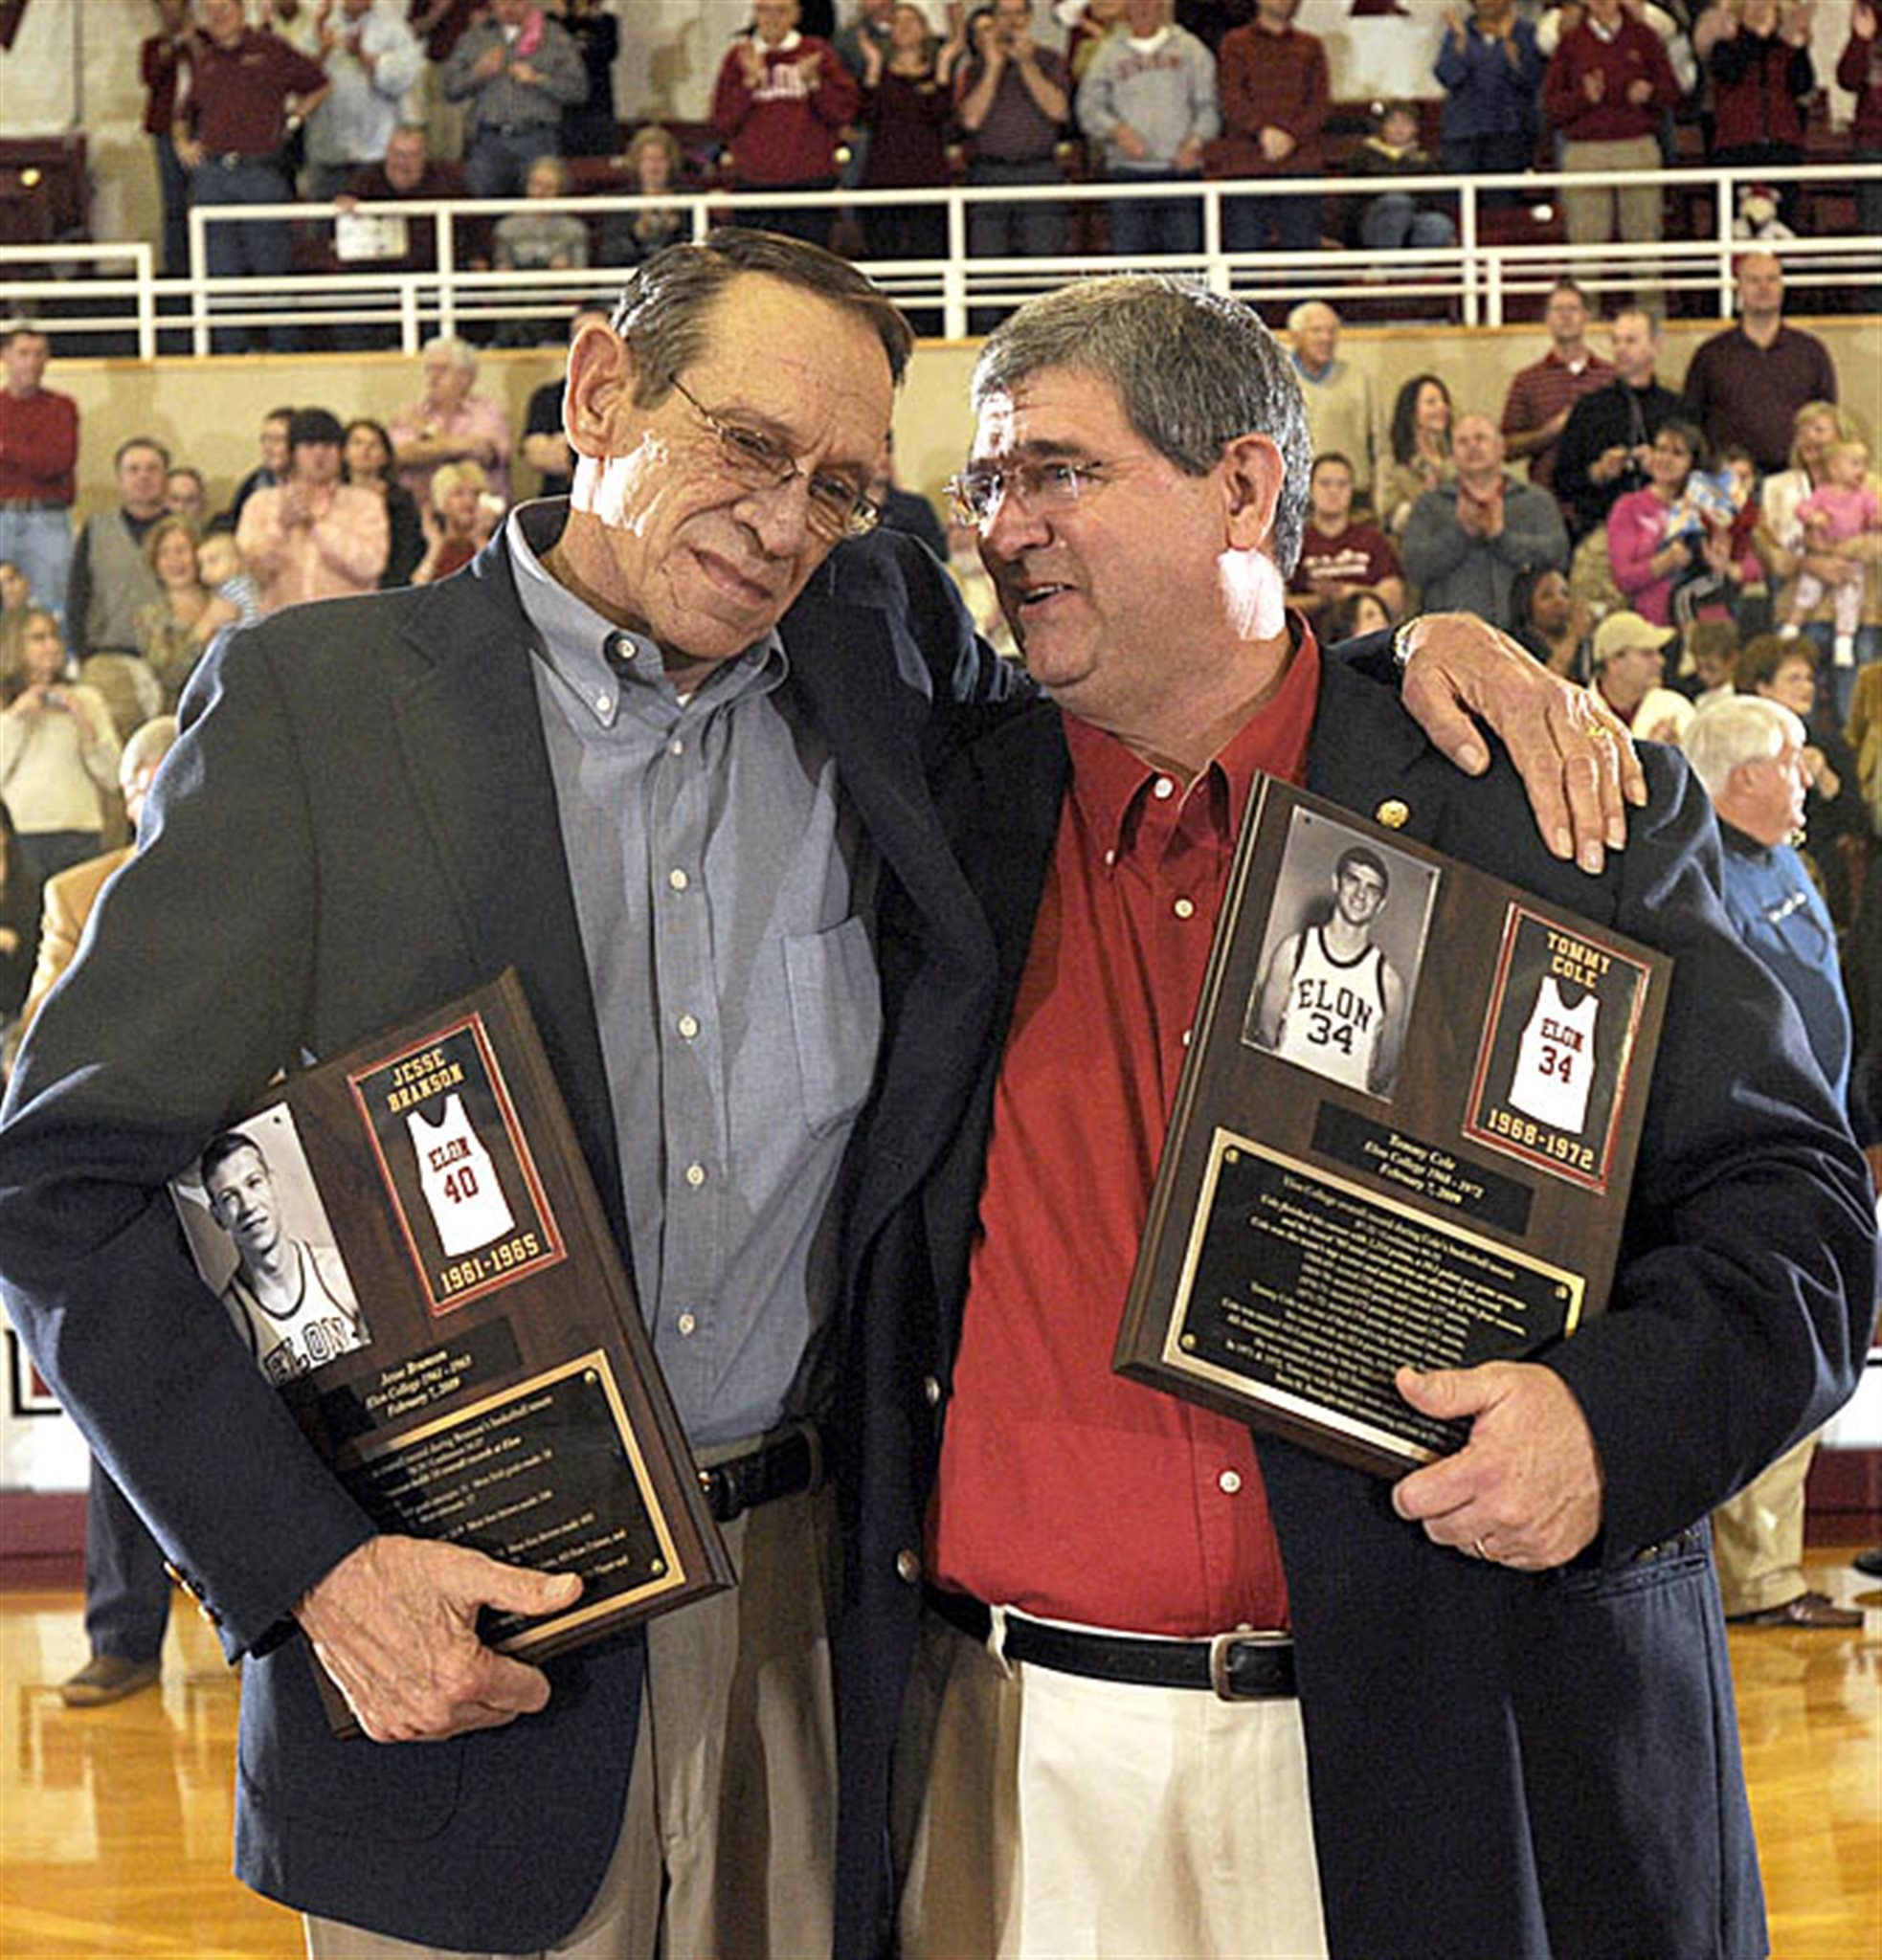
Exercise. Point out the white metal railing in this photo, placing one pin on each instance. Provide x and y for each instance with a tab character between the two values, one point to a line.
1477	278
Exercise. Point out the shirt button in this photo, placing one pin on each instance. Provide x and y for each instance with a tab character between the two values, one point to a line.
908	1567
686	1323
1111	857
1163	787
695	1175
1187	1033
621	647
1184	908
1229	1483
675	749
931	1391
677	879
688	1027
603	702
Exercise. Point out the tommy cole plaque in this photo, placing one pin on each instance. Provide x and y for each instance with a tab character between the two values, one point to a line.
410	1242
1404	1134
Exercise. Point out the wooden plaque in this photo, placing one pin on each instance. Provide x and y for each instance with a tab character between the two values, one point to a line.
410	1240
1404	1133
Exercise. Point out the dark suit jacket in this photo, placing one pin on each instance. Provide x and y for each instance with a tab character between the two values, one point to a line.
1502	1764
358	823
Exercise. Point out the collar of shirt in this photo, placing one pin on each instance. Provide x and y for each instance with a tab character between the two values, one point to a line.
603	666
1741	843
1114	789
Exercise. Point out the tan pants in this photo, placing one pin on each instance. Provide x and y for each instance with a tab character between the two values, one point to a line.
725	1849
1757	1536
1629	212
1080	1820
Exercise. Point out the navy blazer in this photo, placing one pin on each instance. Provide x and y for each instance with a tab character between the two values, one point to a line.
1503	1766
358	823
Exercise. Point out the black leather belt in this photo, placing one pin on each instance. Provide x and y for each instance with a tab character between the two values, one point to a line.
785	1468
1236	1667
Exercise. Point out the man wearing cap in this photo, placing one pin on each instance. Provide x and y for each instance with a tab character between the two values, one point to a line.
1630	663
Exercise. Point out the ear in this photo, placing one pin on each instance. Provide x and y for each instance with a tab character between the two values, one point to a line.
601	379
1252	475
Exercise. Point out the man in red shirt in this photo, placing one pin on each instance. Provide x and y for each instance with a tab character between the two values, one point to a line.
1183	1690
1338	557
38	454
248	92
781	101
1536	410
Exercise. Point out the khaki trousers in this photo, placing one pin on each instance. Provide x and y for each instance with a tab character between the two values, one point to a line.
1629	212
1757	1536
726	1848
1083	1820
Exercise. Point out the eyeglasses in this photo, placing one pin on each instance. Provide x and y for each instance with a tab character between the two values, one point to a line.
837	509
976	495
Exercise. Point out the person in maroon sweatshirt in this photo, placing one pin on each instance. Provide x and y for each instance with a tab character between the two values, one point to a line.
1762	79
1603	95
1275	97
1859	69
781	99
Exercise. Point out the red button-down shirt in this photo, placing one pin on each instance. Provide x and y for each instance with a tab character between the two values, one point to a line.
1064	1490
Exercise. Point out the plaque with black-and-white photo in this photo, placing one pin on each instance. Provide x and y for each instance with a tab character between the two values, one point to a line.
1356	1177
468	1353
1342	953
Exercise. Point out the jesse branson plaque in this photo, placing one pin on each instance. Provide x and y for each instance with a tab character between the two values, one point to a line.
409	1239
1404	1134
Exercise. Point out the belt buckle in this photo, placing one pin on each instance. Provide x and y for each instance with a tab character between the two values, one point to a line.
1220	1648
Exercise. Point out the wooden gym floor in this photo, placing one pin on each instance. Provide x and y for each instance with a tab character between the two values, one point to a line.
115	1825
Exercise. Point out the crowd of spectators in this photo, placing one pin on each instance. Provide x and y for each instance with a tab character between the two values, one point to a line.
364	101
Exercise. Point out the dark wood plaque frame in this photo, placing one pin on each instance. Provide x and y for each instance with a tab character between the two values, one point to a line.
507	1396
1306	1234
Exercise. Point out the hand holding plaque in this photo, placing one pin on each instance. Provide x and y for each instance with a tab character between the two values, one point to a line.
1403	1135
409	1241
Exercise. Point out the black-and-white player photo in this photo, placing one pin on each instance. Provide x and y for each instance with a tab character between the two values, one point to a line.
1339	966
262	1241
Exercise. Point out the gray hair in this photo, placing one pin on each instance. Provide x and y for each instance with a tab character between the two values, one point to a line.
1299	316
149	743
1192	371
665	309
1745	728
460	352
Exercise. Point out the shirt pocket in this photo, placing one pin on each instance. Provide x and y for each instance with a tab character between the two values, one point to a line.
836	1019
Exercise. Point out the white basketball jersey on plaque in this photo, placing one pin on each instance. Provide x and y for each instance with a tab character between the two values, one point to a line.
459	1181
1556	1061
1335	1011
